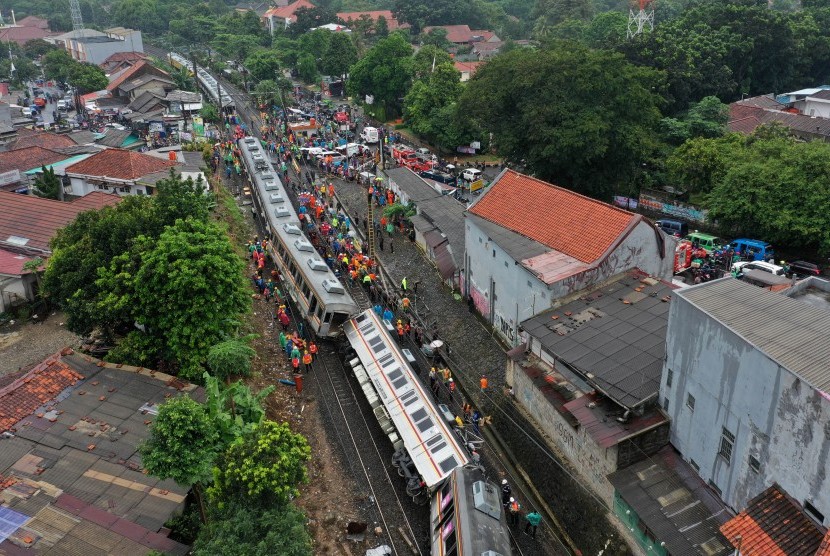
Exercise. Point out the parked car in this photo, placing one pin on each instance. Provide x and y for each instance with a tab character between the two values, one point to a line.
27	111
802	268
673	227
743	266
471	174
707	242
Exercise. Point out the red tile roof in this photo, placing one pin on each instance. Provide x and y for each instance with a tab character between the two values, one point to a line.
128	73
391	22
470	67
455	33
119	164
34	21
29	157
483	33
22	35
287	12
12	263
773	524
21	398
824	549
45	139
568	222
122	59
37	219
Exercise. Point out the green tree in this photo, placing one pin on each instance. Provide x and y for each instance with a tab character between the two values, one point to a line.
262	469
424	104
706	118
340	55
606	30
48	184
307	68
139	14
185	289
184	79
56	65
266	92
384	73
264	64
231	358
547	14
233	408
37	48
87	78
381	28
306	19
210	113
182	446
255	532
580	118
436	37
420	13
700	163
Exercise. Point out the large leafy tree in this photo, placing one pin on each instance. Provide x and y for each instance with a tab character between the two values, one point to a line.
87	78
255	532
263	468
548	14
231	357
340	55
583	119
264	64
384	72
139	14
185	289
706	118
424	106
419	13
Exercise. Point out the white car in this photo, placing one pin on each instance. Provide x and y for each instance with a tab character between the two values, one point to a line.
471	174
743	266
27	111
312	151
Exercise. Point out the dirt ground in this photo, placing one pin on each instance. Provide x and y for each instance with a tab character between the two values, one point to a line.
26	344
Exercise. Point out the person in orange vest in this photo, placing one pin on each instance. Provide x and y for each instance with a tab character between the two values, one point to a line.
405	304
514	510
452	388
484	383
331	190
312	349
400	332
307	361
295	363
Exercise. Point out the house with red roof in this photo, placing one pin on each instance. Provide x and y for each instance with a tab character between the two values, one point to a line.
281	17
121	60
115	171
349	17
16	162
462	34
530	244
27	225
27	29
467	69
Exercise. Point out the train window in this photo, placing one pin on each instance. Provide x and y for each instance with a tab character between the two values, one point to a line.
377	344
313	304
327	318
409	398
425	425
320	311
436	443
451	544
395	375
386	360
419	415
339	319
306	291
400	383
448	464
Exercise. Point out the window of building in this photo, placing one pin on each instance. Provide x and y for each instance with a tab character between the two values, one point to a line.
665	404
690	402
494	253
727	442
481	240
505	263
694	465
669	377
813	511
754	464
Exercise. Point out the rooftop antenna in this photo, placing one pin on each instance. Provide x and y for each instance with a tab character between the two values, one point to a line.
77	20
639	21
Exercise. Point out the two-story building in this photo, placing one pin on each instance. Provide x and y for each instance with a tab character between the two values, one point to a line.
530	243
746	382
116	171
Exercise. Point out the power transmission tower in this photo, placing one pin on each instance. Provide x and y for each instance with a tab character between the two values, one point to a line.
77	20
641	20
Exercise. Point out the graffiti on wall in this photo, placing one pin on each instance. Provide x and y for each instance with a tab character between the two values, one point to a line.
505	326
480	300
678	210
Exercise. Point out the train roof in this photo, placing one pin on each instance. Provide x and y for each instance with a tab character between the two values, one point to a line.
205	78
429	442
284	223
478	503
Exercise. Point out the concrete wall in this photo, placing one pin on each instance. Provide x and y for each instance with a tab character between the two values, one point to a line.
775	417
519	294
18	289
80	187
816	108
591	462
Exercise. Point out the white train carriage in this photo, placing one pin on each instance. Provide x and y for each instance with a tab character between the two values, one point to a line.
317	293
205	79
427	449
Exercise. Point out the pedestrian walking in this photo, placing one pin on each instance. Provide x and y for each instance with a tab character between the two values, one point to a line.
506	491
307	361
533	521
432	378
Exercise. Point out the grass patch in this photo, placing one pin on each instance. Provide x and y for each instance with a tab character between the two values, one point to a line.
228	212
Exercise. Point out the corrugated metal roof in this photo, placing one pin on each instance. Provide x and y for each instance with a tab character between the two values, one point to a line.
674	503
615	336
789	331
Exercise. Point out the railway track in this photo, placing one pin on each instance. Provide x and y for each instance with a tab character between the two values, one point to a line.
368	454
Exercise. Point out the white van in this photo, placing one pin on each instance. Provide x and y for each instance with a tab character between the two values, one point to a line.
369	135
471	174
349	149
63	105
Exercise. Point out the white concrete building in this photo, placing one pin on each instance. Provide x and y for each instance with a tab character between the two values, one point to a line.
530	243
116	171
94	47
747	385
